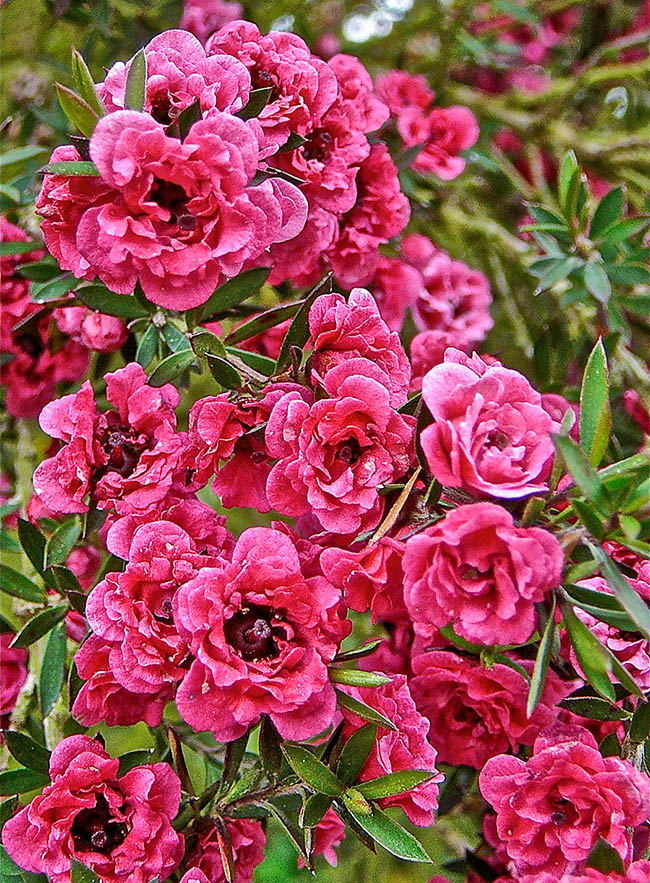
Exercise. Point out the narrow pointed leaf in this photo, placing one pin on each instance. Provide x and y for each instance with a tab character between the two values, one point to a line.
312	771
394	783
79	873
257	101
594	708
609	209
72	169
269	748
365	712
61	542
629	599
234	291
354	678
40	625
33	542
17	585
171	367
391	835
223	372
234	755
314	809
20	781
582	472
28	752
147	346
52	289
355	753
85	83
542	660
605	858
52	669
268	319
78	111
136	82
597	281
98	297
298	332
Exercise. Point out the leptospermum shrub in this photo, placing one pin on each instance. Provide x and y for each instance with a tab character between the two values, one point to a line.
325	489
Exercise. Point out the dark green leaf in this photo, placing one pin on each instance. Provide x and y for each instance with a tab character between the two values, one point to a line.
234	755
11	248
131	759
391	835
98	297
565	185
597	281
608	210
223	372
16	162
171	367
292	143
51	677
68	584
560	270
28	752
78	111
85	84
406	157
20	781
365	712
53	289
72	169
594	708
39	271
257	101
628	274
298	332
135	89
17	585
188	117
356	802
268	319
147	346
62	541
315	807
254	360
542	660
357	652
605	858
624	230
174	337
7	809
630	600
206	343
355	753
603	607
594	522
10	870
394	783
39	625
310	769
234	291
295	835
582	472
269	748
610	746
79	873
355	678
640	724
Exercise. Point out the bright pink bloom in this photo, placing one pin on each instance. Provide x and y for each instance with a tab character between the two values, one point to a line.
552	810
365	110
267	343
405	748
103	699
179	74
14	289
303	87
133	609
491	435
381	212
204	17
428	350
637	410
126	458
96	331
396	287
262	636
302	260
13	667
328	834
247	841
638	872
335	454
178	216
444	132
341	330
475	711
120	827
474	570
402	91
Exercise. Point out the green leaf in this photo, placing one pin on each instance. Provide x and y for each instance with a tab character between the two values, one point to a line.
85	84
560	270
315	807
68	584
356	802
629	599
355	753
28	752
39	271
582	472
603	607
588	515
147	346
171	367
394	783
78	111
223	372
234	755
268	319
234	291
98	297
135	89
358	652
597	281
298	332
566	186
354	678
605	858
608	210
628	274
51	677
640	724
295	835
134	758
542	660
39	625
79	873
10	248
7	810
269	748
20	781
33	543
72	169
623	230
61	542
17	585
256	361
594	708
257	101
174	337
310	769
365	712
293	142
52	289
391	835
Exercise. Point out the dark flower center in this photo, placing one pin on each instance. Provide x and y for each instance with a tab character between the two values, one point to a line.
173	197
31	344
318	145
263	80
251	634
562	810
349	451
122	455
498	439
94	830
160	109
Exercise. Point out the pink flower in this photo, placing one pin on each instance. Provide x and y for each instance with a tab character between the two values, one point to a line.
474	570
638	872
13	666
381	212
302	260
303	87
103	699
333	455
402	91
396	287
96	331
491	435
175	216
133	609
247	841
204	17
444	132
120	827
405	748
365	110
328	834
14	289
126	458
341	330
428	350
552	810
262	636
179	74
475	711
